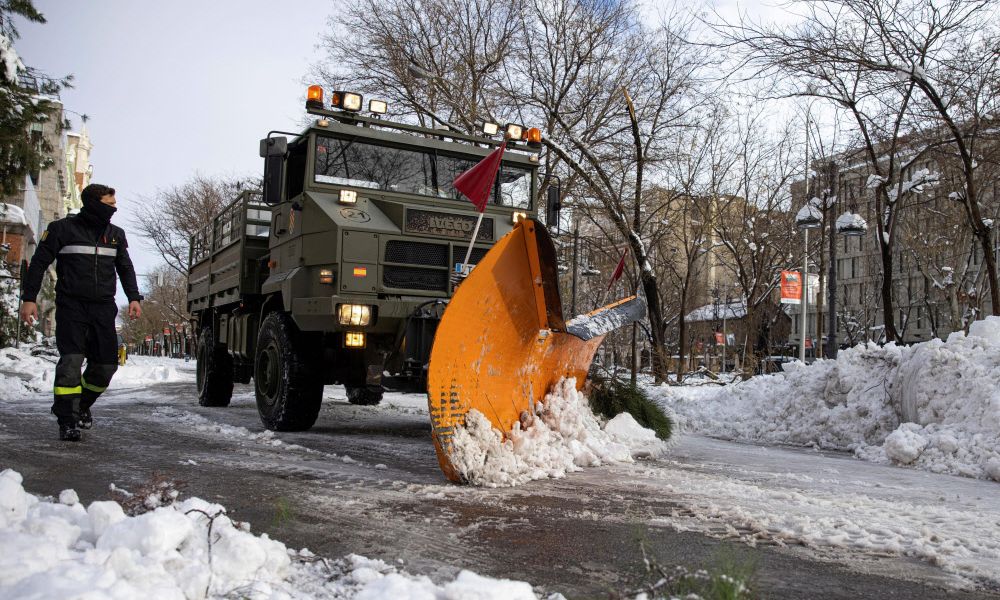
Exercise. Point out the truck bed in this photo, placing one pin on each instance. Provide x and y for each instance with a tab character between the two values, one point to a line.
225	260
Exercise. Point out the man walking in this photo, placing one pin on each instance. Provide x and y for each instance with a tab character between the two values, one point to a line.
88	251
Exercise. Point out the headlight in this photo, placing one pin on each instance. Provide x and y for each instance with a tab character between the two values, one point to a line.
514	131
325	276
346	100
490	129
379	107
348	197
354	314
518	216
354	339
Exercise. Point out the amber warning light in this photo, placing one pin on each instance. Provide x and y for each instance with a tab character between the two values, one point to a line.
360	271
314	97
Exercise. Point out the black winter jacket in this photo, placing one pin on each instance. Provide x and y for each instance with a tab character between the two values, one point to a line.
86	262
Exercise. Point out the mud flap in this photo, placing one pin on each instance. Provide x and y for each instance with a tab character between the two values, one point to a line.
502	342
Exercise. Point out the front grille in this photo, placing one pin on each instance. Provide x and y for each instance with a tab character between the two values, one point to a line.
416	253
412	278
477	255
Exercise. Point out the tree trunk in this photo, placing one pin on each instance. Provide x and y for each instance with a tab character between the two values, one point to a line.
681	337
991	268
635	353
655	314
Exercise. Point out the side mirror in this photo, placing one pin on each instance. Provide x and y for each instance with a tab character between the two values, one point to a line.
553	204
273	150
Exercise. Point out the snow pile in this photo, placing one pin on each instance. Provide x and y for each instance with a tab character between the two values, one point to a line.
30	369
934	405
563	436
144	370
191	549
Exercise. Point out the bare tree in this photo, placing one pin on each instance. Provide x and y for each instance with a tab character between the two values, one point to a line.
889	65
164	308
608	90
754	220
174	214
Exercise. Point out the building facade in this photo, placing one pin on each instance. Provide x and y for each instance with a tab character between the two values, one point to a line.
938	275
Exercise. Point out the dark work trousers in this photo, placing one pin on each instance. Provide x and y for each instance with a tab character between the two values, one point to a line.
84	330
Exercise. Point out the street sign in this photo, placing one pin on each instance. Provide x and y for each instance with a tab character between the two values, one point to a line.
791	287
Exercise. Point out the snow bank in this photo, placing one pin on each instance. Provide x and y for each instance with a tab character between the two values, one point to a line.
144	370
934	405
23	373
61	549
563	436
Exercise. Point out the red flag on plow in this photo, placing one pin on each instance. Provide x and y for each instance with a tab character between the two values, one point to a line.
477	182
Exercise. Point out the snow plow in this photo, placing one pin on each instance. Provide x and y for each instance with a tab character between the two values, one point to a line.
503	343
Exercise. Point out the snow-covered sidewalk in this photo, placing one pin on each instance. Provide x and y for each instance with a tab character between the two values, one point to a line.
935	405
59	548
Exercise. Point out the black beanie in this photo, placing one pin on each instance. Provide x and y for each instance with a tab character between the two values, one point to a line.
94	192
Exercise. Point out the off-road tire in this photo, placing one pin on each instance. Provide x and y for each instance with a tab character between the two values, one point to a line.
214	371
365	395
287	385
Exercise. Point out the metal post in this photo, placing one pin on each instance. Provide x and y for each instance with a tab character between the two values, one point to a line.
805	297
576	265
805	252
725	339
831	278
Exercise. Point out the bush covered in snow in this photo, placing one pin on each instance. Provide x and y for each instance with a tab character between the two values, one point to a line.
934	405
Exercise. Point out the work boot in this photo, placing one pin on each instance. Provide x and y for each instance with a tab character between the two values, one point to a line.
86	420
69	433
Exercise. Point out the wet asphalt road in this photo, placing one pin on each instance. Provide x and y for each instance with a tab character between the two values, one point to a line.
365	480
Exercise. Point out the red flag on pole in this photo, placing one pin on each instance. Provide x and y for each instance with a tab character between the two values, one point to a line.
618	270
477	182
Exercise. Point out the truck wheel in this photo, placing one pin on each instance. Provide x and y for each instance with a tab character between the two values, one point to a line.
365	395
214	374
288	389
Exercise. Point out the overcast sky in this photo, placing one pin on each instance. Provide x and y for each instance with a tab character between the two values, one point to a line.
178	87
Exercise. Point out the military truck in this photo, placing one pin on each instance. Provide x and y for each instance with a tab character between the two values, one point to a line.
338	270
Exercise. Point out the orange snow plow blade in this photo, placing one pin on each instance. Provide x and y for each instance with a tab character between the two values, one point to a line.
502	342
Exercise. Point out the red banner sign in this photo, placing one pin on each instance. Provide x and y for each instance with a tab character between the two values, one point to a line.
791	287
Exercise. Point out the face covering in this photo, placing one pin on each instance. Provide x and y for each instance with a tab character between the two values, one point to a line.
97	214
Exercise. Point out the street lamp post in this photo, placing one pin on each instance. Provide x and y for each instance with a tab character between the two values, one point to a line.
808	217
849	224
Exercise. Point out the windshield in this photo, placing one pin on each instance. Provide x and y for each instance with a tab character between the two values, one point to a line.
413	171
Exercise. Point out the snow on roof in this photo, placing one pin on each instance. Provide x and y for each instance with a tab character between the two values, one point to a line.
10	213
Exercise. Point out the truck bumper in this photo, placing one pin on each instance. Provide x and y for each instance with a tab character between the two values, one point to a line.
320	314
